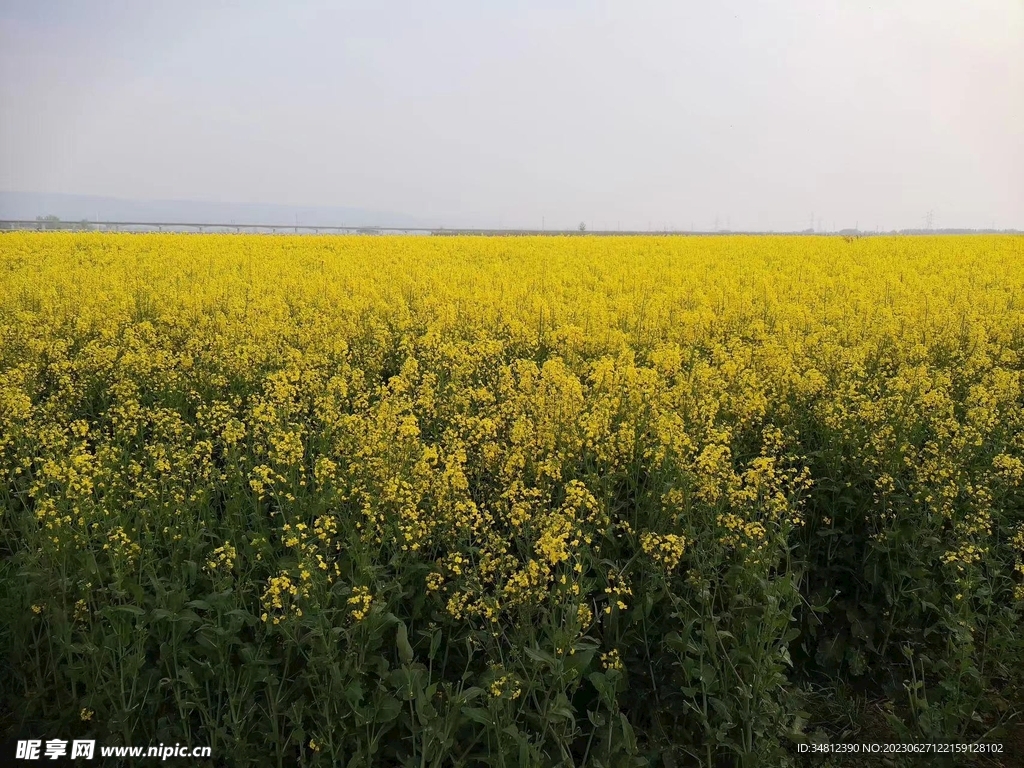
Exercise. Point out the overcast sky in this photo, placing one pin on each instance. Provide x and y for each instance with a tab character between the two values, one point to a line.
628	114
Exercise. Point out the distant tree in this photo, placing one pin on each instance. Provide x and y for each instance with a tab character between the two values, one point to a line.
583	226
49	222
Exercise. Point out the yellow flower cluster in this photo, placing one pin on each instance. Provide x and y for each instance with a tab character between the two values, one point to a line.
506	686
222	559
666	549
966	555
1010	468
122	545
740	532
280	597
360	602
617	591
612	660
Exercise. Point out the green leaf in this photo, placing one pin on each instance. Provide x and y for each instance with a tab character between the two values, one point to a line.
471	693
402	640
538	655
580	660
627	734
561	711
387	710
478	715
435	642
134	610
354	693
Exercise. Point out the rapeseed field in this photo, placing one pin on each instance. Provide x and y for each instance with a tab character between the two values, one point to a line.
536	501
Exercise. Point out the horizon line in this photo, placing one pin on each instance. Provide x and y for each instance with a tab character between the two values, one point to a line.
84	225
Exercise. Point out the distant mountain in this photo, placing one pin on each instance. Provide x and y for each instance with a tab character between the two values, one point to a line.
29	205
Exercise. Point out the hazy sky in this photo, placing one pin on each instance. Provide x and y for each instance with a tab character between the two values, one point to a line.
510	113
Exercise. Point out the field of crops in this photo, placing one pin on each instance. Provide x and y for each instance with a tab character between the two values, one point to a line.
377	501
